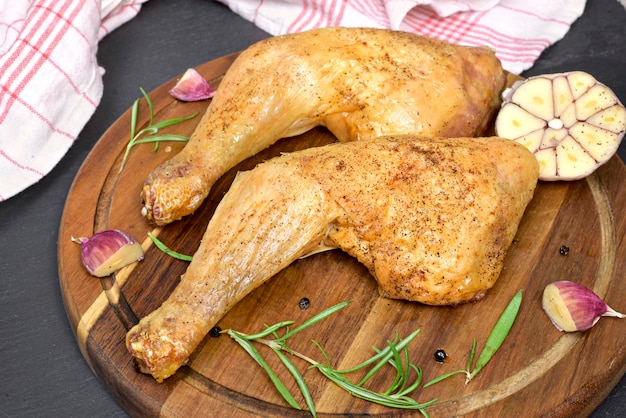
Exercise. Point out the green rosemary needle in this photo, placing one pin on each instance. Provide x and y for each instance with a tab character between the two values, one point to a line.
159	244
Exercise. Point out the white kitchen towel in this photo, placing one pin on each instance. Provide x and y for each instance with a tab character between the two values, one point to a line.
50	81
518	30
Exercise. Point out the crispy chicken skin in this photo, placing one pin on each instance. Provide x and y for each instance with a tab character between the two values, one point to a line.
431	218
359	83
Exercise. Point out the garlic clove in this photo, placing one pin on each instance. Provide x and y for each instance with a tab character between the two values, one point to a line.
580	121
192	87
108	251
573	307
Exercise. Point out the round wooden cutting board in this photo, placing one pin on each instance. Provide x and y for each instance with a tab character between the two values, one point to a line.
538	371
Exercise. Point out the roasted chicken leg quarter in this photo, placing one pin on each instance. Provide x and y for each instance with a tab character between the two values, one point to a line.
431	218
359	83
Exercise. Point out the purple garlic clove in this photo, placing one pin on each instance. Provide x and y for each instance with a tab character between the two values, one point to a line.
573	307
192	87
108	251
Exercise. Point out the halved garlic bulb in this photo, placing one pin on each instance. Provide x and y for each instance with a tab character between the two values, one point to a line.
192	87
573	307
570	121
108	251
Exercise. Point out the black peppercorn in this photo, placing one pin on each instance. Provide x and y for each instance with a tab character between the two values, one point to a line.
215	332
440	356
304	303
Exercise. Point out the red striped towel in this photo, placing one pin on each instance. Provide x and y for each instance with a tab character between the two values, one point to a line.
50	81
518	30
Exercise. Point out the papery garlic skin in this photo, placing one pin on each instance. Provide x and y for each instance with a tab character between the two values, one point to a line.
572	307
570	121
108	251
192	87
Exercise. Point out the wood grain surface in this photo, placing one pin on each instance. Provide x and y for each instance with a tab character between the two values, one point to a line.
538	371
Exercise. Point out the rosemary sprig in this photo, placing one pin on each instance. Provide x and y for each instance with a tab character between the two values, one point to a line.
151	132
396	354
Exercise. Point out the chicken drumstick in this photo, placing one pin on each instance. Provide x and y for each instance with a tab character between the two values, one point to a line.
359	83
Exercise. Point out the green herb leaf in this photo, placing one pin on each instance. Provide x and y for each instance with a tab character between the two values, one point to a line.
173	121
167	250
282	389
444	377
304	389
268	331
162	137
315	319
401	371
382	353
402	402
133	118
415	384
149	102
319	346
470	360
498	334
